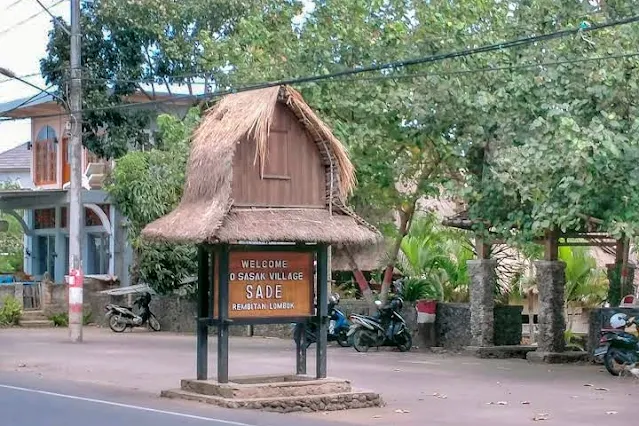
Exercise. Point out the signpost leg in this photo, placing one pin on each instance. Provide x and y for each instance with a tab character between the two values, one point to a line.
322	310
300	361
223	313
202	311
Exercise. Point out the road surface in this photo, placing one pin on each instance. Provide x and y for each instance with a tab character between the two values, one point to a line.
418	388
26	401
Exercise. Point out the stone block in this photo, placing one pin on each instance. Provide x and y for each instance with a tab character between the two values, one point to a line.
551	281
279	393
557	357
483	277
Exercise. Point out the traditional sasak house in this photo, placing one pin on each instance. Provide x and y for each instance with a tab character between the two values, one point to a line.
264	168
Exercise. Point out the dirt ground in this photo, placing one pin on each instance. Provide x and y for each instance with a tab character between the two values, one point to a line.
418	388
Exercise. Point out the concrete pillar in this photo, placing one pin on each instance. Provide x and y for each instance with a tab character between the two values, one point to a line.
551	281
60	246
483	279
18	293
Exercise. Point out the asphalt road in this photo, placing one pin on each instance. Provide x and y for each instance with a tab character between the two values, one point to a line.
26	401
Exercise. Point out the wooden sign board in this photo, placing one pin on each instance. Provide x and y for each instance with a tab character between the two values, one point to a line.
269	284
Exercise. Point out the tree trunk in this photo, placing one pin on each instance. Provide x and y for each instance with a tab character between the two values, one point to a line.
406	217
361	280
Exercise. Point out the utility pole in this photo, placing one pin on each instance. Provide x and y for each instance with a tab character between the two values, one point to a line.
75	191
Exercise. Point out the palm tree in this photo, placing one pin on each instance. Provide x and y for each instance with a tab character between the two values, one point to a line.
438	255
586	285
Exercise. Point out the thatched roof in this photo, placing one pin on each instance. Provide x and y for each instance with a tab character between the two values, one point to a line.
206	212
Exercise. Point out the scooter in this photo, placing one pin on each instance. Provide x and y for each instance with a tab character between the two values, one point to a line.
337	327
387	328
121	317
619	350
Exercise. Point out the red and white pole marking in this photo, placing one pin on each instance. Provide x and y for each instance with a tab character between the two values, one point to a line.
426	310
76	284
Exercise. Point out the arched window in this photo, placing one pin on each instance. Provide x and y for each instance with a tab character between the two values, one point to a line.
46	147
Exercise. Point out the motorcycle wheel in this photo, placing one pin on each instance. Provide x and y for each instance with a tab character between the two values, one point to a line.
611	365
154	323
404	341
362	339
342	339
115	324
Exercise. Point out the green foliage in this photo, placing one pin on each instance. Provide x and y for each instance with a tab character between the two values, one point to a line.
414	289
11	241
61	319
10	312
560	143
586	285
147	185
438	255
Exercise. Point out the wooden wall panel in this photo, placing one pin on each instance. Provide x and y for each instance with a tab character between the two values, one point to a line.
293	174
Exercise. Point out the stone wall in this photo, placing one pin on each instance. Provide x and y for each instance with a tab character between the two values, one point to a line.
6	290
452	325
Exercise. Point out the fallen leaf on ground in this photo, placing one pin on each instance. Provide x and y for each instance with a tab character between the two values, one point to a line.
22	365
439	395
541	416
611	412
588	385
525	402
402	411
502	403
377	416
602	389
397	369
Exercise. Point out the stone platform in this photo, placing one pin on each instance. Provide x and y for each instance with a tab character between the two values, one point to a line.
279	393
500	352
557	357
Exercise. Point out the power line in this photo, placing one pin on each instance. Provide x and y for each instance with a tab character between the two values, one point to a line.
13	4
24	21
6	80
381	67
55	18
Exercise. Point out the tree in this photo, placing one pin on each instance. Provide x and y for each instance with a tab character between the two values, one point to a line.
563	148
11	240
147	185
138	46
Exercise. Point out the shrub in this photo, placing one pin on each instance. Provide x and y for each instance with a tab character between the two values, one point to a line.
417	288
62	319
10	312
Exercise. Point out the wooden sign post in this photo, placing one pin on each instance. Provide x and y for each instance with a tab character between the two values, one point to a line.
260	284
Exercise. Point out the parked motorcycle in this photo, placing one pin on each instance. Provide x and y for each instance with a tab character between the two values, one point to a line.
121	317
337	327
386	328
618	348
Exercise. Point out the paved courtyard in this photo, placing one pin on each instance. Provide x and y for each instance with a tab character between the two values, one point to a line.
418	387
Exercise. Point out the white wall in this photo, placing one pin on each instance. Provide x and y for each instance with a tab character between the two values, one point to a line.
21	177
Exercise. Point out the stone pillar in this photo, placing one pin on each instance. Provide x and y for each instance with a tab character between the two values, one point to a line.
551	281
483	279
18	293
615	293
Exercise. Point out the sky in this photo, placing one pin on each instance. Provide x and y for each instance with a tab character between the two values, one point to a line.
23	40
24	27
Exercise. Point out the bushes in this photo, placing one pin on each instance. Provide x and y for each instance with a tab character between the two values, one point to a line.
10	312
417	288
61	319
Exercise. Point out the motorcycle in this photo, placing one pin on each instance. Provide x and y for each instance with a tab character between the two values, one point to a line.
386	328
619	349
337	327
121	317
